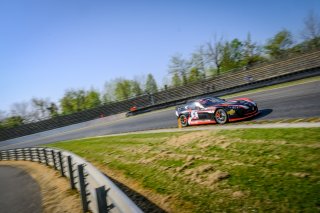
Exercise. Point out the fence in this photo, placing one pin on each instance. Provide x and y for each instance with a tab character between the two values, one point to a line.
98	193
307	64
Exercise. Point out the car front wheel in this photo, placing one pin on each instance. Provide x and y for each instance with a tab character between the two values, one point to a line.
183	120
221	116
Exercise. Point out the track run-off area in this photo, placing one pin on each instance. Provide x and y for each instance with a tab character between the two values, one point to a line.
301	100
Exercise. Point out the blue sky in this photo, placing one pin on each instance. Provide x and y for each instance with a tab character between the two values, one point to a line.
48	46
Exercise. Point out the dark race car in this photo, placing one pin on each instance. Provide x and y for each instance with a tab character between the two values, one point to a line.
215	110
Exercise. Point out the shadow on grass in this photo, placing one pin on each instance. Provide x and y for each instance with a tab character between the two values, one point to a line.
141	201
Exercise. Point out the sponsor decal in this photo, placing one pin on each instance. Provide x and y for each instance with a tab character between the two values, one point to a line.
231	112
194	115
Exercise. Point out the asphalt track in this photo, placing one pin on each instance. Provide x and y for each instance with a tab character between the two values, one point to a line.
298	101
18	191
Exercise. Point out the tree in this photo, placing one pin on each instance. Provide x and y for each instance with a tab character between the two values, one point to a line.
151	85
67	103
277	45
179	66
198	61
53	110
123	89
22	110
136	88
40	109
73	101
2	115
92	99
12	121
251	52
232	55
214	54
109	91
311	31
194	75
176	80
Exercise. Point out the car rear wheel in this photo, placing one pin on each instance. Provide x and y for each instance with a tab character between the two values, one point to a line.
221	116
183	120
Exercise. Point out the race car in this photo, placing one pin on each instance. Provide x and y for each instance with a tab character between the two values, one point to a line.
212	110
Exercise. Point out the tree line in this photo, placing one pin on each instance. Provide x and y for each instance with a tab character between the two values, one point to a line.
220	55
210	59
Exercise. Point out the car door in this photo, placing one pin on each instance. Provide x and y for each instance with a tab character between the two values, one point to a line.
198	112
193	111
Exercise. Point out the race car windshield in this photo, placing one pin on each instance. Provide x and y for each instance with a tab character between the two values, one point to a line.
211	102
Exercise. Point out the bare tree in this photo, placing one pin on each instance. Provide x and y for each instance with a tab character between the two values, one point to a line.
214	53
311	27
108	91
311	31
40	109
179	67
22	109
3	115
198	61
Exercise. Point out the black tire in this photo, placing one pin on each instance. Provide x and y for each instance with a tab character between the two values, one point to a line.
183	120
221	116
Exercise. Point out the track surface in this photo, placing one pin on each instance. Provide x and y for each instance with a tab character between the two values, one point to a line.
18	191
299	101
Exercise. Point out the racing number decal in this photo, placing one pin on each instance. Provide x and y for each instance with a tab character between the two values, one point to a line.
194	114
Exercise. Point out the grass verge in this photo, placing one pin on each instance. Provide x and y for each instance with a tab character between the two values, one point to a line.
244	170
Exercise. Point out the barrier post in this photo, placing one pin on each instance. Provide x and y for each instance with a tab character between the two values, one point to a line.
45	156
61	164
82	188
72	184
101	199
54	160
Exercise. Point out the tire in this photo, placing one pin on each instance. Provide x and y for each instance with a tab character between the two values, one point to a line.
221	116
183	120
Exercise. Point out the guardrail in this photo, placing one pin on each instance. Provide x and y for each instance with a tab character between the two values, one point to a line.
300	66
98	193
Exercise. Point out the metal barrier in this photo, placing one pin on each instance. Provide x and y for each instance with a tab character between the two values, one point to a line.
303	65
98	193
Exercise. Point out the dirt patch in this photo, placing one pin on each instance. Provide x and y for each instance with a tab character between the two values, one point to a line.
216	176
214	140
301	174
55	190
238	194
205	175
188	138
202	139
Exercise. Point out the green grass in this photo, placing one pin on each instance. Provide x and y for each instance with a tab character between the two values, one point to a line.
268	170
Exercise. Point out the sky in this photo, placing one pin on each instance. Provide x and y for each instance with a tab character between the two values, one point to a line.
49	46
